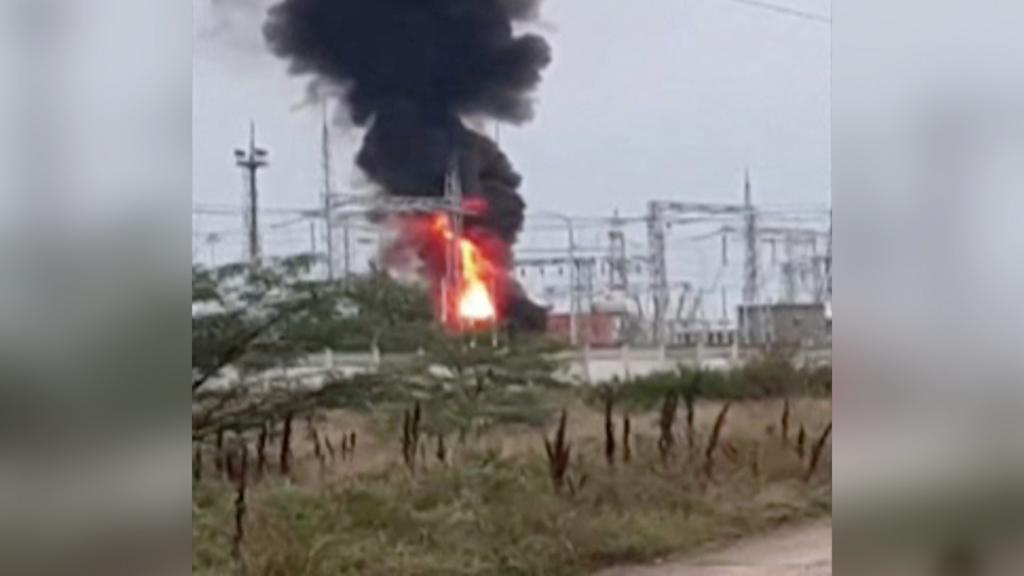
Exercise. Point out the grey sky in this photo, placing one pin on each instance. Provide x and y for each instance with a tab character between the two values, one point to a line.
666	99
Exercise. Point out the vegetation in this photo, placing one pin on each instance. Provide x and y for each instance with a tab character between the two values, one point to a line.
772	376
313	315
472	458
493	510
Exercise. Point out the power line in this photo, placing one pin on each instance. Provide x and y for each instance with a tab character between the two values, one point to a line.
229	210
287	223
786	11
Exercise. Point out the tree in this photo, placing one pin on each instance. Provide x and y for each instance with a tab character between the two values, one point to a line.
255	319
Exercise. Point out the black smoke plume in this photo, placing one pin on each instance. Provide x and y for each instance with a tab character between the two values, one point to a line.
412	72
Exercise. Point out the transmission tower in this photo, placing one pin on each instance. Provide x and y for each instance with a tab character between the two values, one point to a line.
657	221
325	149
250	161
618	264
750	264
790	269
659	268
581	288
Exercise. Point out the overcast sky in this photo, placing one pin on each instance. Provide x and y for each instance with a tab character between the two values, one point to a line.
660	98
667	99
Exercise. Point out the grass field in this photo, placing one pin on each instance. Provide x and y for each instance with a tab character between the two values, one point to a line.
491	507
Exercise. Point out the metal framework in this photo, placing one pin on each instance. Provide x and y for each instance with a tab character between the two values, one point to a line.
658	217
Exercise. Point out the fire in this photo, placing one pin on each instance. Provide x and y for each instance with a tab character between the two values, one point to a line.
474	301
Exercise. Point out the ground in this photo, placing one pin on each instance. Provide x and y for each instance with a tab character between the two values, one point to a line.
799	551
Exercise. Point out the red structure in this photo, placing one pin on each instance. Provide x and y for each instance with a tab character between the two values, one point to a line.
599	329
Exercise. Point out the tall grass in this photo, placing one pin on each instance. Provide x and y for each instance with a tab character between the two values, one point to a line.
492	516
492	510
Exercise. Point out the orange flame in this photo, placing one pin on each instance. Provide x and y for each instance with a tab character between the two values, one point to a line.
474	302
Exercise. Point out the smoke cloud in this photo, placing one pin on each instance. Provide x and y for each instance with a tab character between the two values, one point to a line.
412	73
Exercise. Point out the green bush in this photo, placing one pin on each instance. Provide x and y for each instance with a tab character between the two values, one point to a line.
767	377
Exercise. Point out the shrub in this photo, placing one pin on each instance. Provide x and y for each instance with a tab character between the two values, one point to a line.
767	377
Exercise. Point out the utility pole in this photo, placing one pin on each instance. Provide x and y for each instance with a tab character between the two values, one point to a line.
789	269
751	263
325	150
828	263
452	284
346	246
574	276
581	280
585	284
659	269
725	306
618	266
250	161
574	287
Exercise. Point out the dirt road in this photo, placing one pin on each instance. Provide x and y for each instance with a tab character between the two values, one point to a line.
801	551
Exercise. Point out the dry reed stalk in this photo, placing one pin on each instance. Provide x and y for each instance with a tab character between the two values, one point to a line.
728	449
559	452
755	461
690	400
197	463
407	452
816	452
411	436
666	423
331	452
286	446
261	450
314	439
576	485
238	538
230	472
785	422
609	428
218	460
442	450
627	450
716	435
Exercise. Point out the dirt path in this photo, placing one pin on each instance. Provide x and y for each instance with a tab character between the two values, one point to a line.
801	551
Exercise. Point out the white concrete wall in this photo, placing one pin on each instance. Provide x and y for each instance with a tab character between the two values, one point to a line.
581	366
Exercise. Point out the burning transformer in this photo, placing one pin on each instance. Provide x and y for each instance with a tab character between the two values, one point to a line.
413	73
